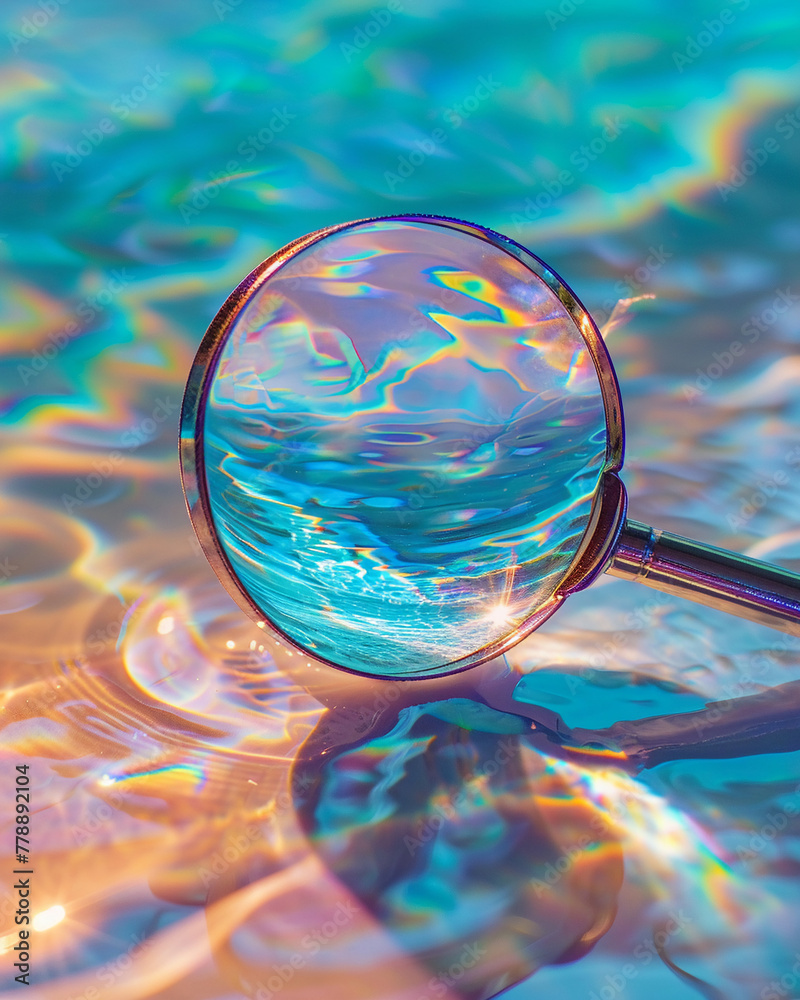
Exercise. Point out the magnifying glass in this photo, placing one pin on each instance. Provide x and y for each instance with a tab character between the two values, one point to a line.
400	447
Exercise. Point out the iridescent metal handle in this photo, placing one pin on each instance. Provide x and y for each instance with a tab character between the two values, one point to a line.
708	575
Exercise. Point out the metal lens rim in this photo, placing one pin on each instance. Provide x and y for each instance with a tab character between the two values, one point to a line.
602	529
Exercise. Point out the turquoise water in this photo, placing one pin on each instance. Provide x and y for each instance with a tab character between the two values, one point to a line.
207	809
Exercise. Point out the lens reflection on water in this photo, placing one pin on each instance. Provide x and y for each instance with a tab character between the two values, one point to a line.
402	440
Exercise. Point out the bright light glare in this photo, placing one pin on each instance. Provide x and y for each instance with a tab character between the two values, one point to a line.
498	615
166	625
49	918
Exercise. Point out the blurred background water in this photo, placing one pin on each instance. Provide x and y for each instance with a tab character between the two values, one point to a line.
216	821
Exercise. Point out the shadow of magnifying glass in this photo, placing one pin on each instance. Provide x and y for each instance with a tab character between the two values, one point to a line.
446	818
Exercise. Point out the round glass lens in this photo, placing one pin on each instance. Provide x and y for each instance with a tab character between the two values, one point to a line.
402	436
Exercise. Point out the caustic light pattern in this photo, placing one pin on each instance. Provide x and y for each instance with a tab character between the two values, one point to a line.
402	438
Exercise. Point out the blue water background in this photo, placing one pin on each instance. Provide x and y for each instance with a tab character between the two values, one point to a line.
153	154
